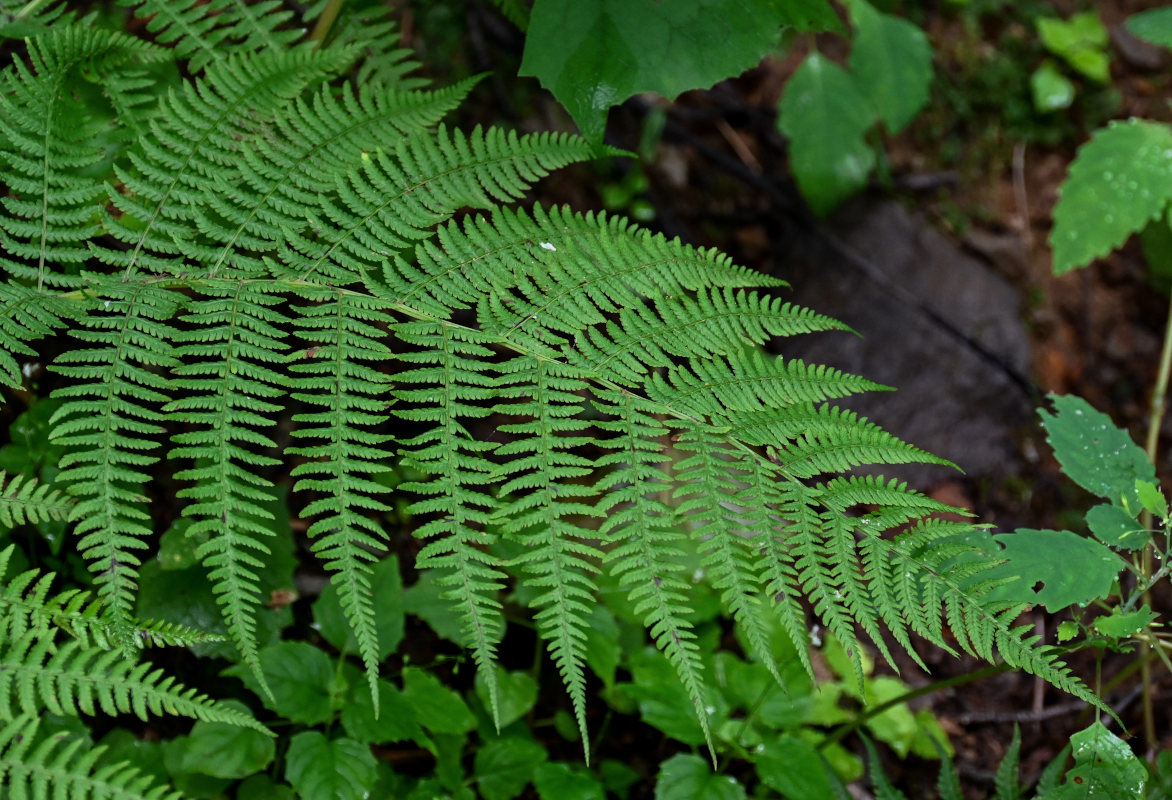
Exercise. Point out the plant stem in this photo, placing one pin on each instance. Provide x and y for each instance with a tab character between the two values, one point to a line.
1155	420
326	21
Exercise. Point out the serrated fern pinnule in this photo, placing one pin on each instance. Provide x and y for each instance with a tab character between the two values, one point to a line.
34	766
25	501
228	359
337	374
545	499
110	420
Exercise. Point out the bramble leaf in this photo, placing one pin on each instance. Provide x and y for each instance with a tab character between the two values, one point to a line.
1119	182
1084	572
324	769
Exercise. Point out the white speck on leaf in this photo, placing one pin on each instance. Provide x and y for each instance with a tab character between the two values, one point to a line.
548	246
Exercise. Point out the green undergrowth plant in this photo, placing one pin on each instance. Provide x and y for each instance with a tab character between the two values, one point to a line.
249	274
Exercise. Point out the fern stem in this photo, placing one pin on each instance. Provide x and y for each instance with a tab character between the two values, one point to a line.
326	21
29	8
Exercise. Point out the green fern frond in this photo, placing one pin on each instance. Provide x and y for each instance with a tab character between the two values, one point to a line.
110	419
583	265
48	149
337	373
226	370
310	146
36	767
545	496
646	536
366	26
397	197
447	386
205	31
27	315
195	139
72	679
25	501
25	605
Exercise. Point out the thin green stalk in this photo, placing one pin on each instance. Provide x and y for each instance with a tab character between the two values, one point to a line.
1155	419
326	21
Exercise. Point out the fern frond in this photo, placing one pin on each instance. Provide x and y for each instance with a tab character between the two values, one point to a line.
194	144
26	315
226	371
397	197
25	605
35	767
48	152
752	381
448	384
310	146
24	501
545	494
337	374
205	31
109	420
72	679
646	537
365	25
581	267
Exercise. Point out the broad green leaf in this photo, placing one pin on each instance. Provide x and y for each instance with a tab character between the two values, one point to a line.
143	754
1151	498
594	54
395	722
825	116
891	62
191	785
1119	182
302	680
423	599
1080	41
1114	527
664	702
604	651
1153	26
1071	568
897	727
618	776
1094	452
1051	90
689	777
1119	626
1067	631
560	781
321	769
437	707
226	751
1104	766
262	787
516	694
794	767
505	765
388	602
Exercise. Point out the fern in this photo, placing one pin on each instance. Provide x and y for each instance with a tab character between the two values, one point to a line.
271	246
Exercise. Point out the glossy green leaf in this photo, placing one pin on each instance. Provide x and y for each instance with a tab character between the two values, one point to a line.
1080	41
1070	568
826	116
437	707
1151	498
423	599
504	766
891	62
1154	25
1051	90
561	781
1114	527
516	694
395	722
689	777
794	767
1119	182
226	751
388	600
1120	626
262	787
1104	766
1094	452
604	651
594	54
302	680
321	769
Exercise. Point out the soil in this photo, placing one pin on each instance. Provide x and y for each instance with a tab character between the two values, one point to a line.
945	269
